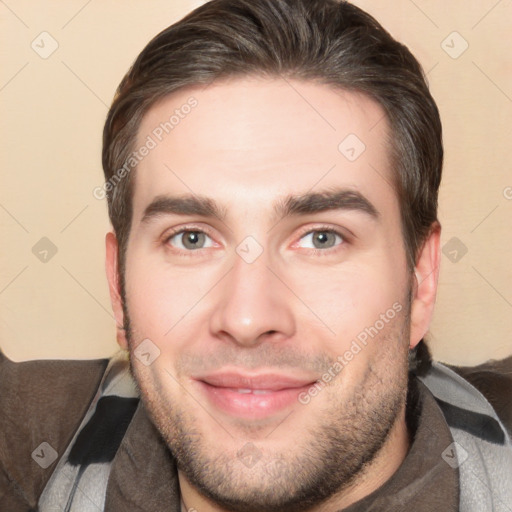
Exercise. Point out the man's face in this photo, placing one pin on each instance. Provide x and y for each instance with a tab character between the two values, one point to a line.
252	304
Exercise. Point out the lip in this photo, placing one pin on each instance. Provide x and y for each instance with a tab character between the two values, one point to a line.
261	395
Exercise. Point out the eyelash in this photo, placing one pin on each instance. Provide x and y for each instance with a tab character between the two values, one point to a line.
317	252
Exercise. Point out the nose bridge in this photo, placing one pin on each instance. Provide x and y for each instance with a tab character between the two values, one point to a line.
253	302
251	283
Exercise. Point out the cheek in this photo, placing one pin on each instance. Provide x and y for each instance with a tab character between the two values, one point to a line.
362	305
351	296
154	299
167	304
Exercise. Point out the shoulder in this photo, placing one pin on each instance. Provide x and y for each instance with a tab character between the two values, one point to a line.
494	380
52	380
41	401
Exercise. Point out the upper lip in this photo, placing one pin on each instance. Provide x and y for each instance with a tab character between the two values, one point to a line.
269	381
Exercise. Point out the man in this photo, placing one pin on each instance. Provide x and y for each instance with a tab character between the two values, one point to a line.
272	169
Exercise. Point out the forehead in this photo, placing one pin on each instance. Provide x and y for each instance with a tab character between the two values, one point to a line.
253	139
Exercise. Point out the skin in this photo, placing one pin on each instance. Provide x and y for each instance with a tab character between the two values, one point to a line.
249	143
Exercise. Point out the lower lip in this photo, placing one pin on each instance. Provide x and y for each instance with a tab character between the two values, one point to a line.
249	405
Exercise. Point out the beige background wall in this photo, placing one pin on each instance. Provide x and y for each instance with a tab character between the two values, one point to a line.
52	110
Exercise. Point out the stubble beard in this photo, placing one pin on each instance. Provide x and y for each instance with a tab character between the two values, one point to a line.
324	461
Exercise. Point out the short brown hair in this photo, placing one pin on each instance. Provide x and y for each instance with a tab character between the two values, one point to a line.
326	41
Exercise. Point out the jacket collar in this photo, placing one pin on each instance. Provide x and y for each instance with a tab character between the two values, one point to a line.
144	475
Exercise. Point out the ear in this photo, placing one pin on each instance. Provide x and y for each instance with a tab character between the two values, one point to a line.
424	289
111	267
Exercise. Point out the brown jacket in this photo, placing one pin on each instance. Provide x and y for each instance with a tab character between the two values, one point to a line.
45	401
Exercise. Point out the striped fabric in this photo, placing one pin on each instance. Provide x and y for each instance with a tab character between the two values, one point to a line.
79	482
482	449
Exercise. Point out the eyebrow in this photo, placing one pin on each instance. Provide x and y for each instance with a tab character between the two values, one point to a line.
339	199
182	205
303	204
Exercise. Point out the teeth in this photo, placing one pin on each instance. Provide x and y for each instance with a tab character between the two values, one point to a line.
254	391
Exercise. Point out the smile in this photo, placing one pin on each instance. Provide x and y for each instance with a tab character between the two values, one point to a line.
251	397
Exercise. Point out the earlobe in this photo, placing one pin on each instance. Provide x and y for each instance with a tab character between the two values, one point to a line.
112	270
424	287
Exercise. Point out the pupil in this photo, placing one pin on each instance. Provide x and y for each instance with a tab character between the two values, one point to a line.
323	238
193	239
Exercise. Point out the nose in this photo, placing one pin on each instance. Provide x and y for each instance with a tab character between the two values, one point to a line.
254	305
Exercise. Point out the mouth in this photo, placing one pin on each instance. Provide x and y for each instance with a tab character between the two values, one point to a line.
252	396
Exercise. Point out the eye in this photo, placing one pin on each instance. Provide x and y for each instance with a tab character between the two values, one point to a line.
321	239
190	240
